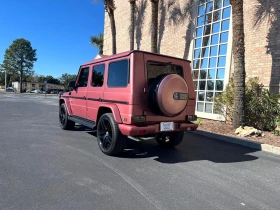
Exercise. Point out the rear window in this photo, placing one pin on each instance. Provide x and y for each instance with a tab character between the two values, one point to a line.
118	74
155	68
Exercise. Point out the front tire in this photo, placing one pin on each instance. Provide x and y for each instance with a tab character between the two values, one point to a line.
110	140
64	122
170	139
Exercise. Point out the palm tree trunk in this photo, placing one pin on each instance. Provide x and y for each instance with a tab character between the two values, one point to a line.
154	26
239	63
132	23
113	31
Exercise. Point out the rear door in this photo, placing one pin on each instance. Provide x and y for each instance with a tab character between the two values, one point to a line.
95	90
78	96
155	66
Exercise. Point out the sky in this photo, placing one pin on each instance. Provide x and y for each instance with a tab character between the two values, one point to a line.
59	30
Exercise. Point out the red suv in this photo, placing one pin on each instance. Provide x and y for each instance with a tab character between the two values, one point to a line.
133	93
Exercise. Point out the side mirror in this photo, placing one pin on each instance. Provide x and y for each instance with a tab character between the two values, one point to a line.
72	85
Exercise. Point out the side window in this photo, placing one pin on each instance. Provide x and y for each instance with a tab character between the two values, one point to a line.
118	74
83	77
98	75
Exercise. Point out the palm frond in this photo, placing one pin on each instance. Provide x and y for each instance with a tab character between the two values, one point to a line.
97	41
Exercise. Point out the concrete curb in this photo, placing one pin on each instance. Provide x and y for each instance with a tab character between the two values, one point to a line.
255	145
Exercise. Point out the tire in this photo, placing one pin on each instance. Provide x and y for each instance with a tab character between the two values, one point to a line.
64	122
170	139
110	140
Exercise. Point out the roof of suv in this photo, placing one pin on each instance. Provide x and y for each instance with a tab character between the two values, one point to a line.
123	54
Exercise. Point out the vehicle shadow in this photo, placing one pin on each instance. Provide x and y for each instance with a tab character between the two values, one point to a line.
193	148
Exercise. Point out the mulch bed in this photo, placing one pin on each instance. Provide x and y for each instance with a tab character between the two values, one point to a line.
228	130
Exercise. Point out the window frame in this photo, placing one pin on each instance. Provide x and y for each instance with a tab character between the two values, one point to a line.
220	11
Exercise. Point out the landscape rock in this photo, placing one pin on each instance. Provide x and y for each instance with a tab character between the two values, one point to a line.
248	131
277	131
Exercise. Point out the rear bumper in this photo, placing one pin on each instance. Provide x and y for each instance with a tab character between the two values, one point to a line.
132	130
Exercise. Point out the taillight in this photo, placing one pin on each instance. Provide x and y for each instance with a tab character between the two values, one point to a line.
138	119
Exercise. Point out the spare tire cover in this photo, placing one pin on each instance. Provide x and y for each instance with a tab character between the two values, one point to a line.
168	95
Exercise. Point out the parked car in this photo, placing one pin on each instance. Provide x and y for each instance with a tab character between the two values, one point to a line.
47	91
60	92
134	93
54	92
10	90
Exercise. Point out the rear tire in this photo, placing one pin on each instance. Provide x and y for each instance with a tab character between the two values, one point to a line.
170	139
110	140
64	122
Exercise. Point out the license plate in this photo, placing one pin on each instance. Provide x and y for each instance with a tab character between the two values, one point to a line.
166	126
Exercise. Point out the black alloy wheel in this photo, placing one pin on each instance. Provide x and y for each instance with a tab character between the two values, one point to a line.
110	140
105	134
64	122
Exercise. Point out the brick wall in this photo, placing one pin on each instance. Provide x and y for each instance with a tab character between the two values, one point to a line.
172	33
262	42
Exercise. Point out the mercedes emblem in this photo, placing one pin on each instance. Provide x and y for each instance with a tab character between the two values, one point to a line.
176	96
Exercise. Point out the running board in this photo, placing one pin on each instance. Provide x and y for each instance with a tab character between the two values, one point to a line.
85	122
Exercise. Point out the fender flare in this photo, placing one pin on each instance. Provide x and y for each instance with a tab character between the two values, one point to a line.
67	103
115	111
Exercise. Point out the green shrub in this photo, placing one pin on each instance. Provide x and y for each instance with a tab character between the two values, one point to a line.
262	108
199	121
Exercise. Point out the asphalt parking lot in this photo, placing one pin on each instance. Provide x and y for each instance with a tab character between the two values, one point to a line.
45	167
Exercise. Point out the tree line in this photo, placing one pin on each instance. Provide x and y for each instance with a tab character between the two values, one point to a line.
18	66
64	79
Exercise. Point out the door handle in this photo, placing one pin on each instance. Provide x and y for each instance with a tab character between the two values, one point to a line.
85	98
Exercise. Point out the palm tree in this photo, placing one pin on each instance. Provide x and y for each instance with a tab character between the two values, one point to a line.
97	41
238	51
132	23
154	25
109	8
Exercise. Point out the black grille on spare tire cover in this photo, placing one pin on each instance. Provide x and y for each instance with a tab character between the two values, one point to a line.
152	95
